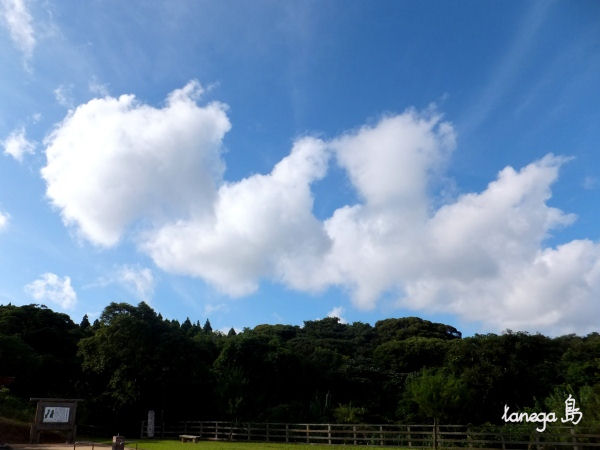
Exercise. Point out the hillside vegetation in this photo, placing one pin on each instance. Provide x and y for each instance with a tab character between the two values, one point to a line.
401	369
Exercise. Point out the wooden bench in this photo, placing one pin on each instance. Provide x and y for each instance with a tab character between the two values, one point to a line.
188	437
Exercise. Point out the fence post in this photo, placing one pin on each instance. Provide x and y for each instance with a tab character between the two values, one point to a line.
469	437
435	437
216	430
409	436
249	427
287	432
201	428
575	446
380	435
307	433
354	433
267	431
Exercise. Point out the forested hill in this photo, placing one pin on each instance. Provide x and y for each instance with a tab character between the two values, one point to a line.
404	370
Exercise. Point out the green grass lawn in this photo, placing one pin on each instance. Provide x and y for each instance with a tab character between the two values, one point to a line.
211	445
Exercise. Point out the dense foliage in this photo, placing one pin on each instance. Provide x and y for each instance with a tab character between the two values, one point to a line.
407	369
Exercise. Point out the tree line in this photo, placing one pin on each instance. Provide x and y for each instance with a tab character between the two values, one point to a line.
406	370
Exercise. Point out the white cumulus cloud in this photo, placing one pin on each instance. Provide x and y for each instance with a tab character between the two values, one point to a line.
338	312
15	16
115	164
17	145
54	289
487	249
390	165
261	226
113	161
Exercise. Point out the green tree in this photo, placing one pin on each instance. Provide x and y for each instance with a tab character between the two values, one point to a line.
348	414
136	361
47	341
85	322
437	393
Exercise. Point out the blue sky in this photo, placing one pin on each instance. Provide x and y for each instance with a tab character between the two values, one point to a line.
275	162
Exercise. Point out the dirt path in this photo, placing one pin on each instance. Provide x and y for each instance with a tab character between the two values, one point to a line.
46	446
56	447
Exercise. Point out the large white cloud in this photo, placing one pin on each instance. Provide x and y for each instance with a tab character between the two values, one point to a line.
481	256
54	289
487	261
261	226
113	161
375	242
389	163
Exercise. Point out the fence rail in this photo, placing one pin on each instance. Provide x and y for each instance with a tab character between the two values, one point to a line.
460	437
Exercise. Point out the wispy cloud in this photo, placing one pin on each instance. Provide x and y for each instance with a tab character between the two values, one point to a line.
98	88
211	308
139	280
64	96
16	18
278	317
17	145
4	218
590	183
504	74
136	279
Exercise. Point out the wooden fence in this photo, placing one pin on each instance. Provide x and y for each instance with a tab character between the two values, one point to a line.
417	436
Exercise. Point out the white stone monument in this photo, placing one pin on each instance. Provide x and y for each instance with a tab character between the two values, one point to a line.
150	430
